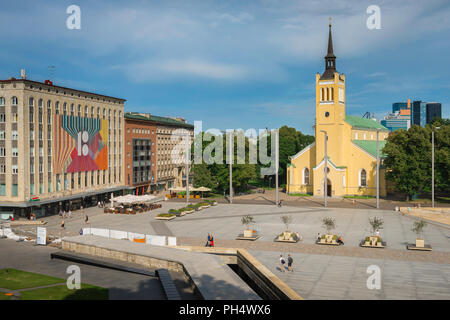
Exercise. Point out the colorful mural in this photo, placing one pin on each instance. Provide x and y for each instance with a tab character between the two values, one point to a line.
79	144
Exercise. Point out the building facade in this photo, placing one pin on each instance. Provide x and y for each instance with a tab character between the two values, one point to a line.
140	154
168	168
425	112
400	118
351	145
59	147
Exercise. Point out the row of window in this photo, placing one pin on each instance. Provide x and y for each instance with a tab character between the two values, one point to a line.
373	136
362	177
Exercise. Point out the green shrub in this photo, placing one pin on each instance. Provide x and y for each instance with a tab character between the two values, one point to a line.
166	215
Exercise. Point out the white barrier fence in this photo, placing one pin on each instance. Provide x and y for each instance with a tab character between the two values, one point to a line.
131	236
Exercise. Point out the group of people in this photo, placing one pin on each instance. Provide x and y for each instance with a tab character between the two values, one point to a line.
290	261
210	241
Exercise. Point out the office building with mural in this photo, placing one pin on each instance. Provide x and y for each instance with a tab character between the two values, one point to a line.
351	145
60	147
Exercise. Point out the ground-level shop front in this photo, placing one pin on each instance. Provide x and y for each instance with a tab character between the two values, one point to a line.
48	207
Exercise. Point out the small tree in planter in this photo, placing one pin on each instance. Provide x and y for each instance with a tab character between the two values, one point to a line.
376	224
246	221
418	229
287	220
329	224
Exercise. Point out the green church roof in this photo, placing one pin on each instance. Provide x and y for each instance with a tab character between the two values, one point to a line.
370	146
363	123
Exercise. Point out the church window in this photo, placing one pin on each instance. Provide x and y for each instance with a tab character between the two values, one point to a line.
327	114
356	135
332	93
305	176
363	178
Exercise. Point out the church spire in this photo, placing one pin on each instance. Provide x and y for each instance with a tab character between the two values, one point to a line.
330	58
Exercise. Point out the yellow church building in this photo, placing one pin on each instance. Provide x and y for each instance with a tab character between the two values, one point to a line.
351	146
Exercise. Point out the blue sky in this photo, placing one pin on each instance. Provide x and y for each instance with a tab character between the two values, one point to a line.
233	64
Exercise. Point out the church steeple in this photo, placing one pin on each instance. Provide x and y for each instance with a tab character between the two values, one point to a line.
330	59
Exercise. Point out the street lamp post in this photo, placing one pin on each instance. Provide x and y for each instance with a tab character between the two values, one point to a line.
187	168
432	165
378	169
325	180
276	167
231	165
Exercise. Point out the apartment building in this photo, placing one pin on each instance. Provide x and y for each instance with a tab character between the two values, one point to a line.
166	170
59	147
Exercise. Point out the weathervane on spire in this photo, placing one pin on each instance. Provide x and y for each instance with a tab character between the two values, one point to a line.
329	20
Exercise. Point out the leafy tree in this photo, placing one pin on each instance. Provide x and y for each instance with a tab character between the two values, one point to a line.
203	177
408	158
329	224
376	224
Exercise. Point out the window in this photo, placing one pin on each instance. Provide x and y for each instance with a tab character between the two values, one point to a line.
356	135
2	117
2	152
363	178
40	103
31	102
2	168
57	107
2	101
14	101
2	135
15	152
65	108
15	135
305	176
15	169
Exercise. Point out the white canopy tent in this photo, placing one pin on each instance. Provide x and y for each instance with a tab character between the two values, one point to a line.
132	199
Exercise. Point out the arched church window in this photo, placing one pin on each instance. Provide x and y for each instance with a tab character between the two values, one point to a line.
363	178
305	176
332	93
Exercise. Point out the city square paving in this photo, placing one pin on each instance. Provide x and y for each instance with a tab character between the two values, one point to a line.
321	272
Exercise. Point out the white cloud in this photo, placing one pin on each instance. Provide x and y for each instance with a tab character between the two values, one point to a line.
178	68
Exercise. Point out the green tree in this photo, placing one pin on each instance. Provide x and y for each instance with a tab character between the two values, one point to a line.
408	158
203	177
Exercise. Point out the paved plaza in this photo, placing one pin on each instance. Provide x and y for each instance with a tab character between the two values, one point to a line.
321	272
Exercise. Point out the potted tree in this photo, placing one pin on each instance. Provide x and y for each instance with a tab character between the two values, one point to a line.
374	240
246	221
420	242
328	238
287	236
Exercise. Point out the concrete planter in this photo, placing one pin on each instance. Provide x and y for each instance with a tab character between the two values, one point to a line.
165	218
248	233
420	243
190	211
286	236
373	242
328	240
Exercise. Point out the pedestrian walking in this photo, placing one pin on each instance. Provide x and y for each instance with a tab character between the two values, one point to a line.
211	242
62	224
290	262
69	214
282	262
86	220
208	241
81	231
